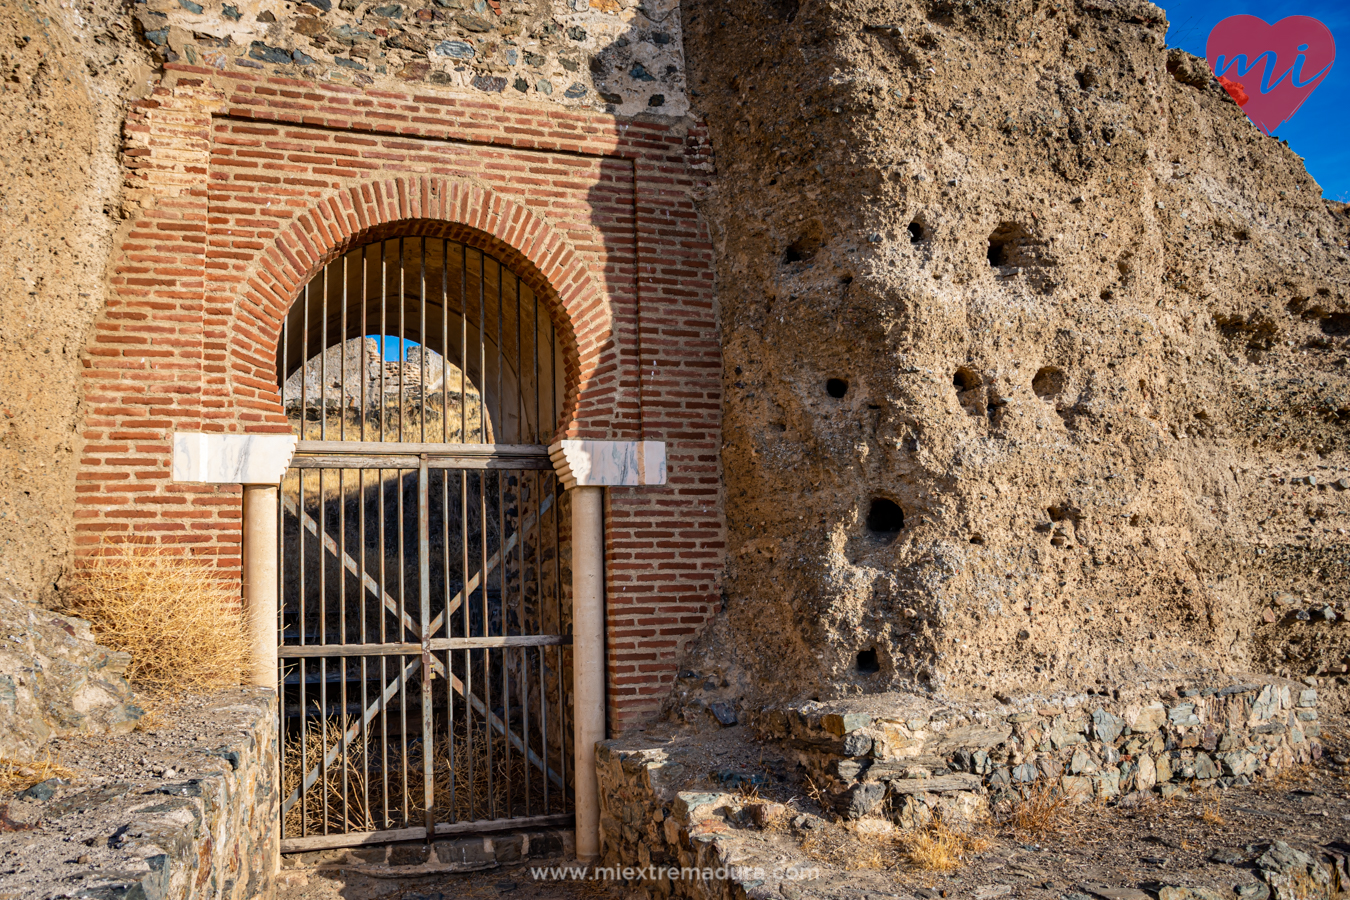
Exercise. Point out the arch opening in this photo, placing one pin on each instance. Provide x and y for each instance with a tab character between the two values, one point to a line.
424	339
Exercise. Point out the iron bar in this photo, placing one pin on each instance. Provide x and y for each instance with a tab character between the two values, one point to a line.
482	351
358	839
463	344
402	301
424	571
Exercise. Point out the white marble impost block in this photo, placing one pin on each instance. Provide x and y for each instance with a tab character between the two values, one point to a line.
231	458
609	463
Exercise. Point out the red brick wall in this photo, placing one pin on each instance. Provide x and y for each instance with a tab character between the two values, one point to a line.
245	186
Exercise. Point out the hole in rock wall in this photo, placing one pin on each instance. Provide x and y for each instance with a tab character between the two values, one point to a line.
784	10
965	379
1048	383
884	517
1336	324
915	232
836	388
805	247
1011	245
868	663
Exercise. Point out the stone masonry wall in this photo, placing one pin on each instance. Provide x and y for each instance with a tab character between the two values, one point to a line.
187	810
621	56
916	759
55	679
918	762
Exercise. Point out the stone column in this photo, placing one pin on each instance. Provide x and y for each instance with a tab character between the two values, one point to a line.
588	658
257	462
260	581
585	469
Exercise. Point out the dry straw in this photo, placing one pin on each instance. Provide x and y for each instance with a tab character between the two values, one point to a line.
181	625
18	776
350	794
939	848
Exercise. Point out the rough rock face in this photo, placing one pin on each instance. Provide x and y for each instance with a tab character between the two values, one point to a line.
1034	352
66	76
56	680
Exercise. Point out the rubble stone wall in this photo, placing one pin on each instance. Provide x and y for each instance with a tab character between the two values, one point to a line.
187	810
620	56
916	760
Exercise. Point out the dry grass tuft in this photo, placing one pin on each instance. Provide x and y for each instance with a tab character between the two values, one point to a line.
938	848
850	848
182	627
1042	810
156	717
18	776
1210	814
1292	774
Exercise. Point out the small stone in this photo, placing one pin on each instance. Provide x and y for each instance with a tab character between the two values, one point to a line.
763	814
1106	726
476	24
1082	762
1205	768
1189	893
1107	892
195	8
864	798
43	790
1227	856
721	710
857	744
455	49
1252	891
990	891
491	84
260	51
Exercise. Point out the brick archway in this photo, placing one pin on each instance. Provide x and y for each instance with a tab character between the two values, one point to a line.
422	207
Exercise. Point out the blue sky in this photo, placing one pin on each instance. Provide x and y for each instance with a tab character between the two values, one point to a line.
389	347
1320	130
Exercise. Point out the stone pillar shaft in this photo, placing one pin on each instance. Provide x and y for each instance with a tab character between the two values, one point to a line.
260	581
588	659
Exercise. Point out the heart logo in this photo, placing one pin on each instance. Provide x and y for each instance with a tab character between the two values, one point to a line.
1270	69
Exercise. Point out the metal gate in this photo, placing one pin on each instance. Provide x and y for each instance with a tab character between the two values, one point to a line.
424	624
